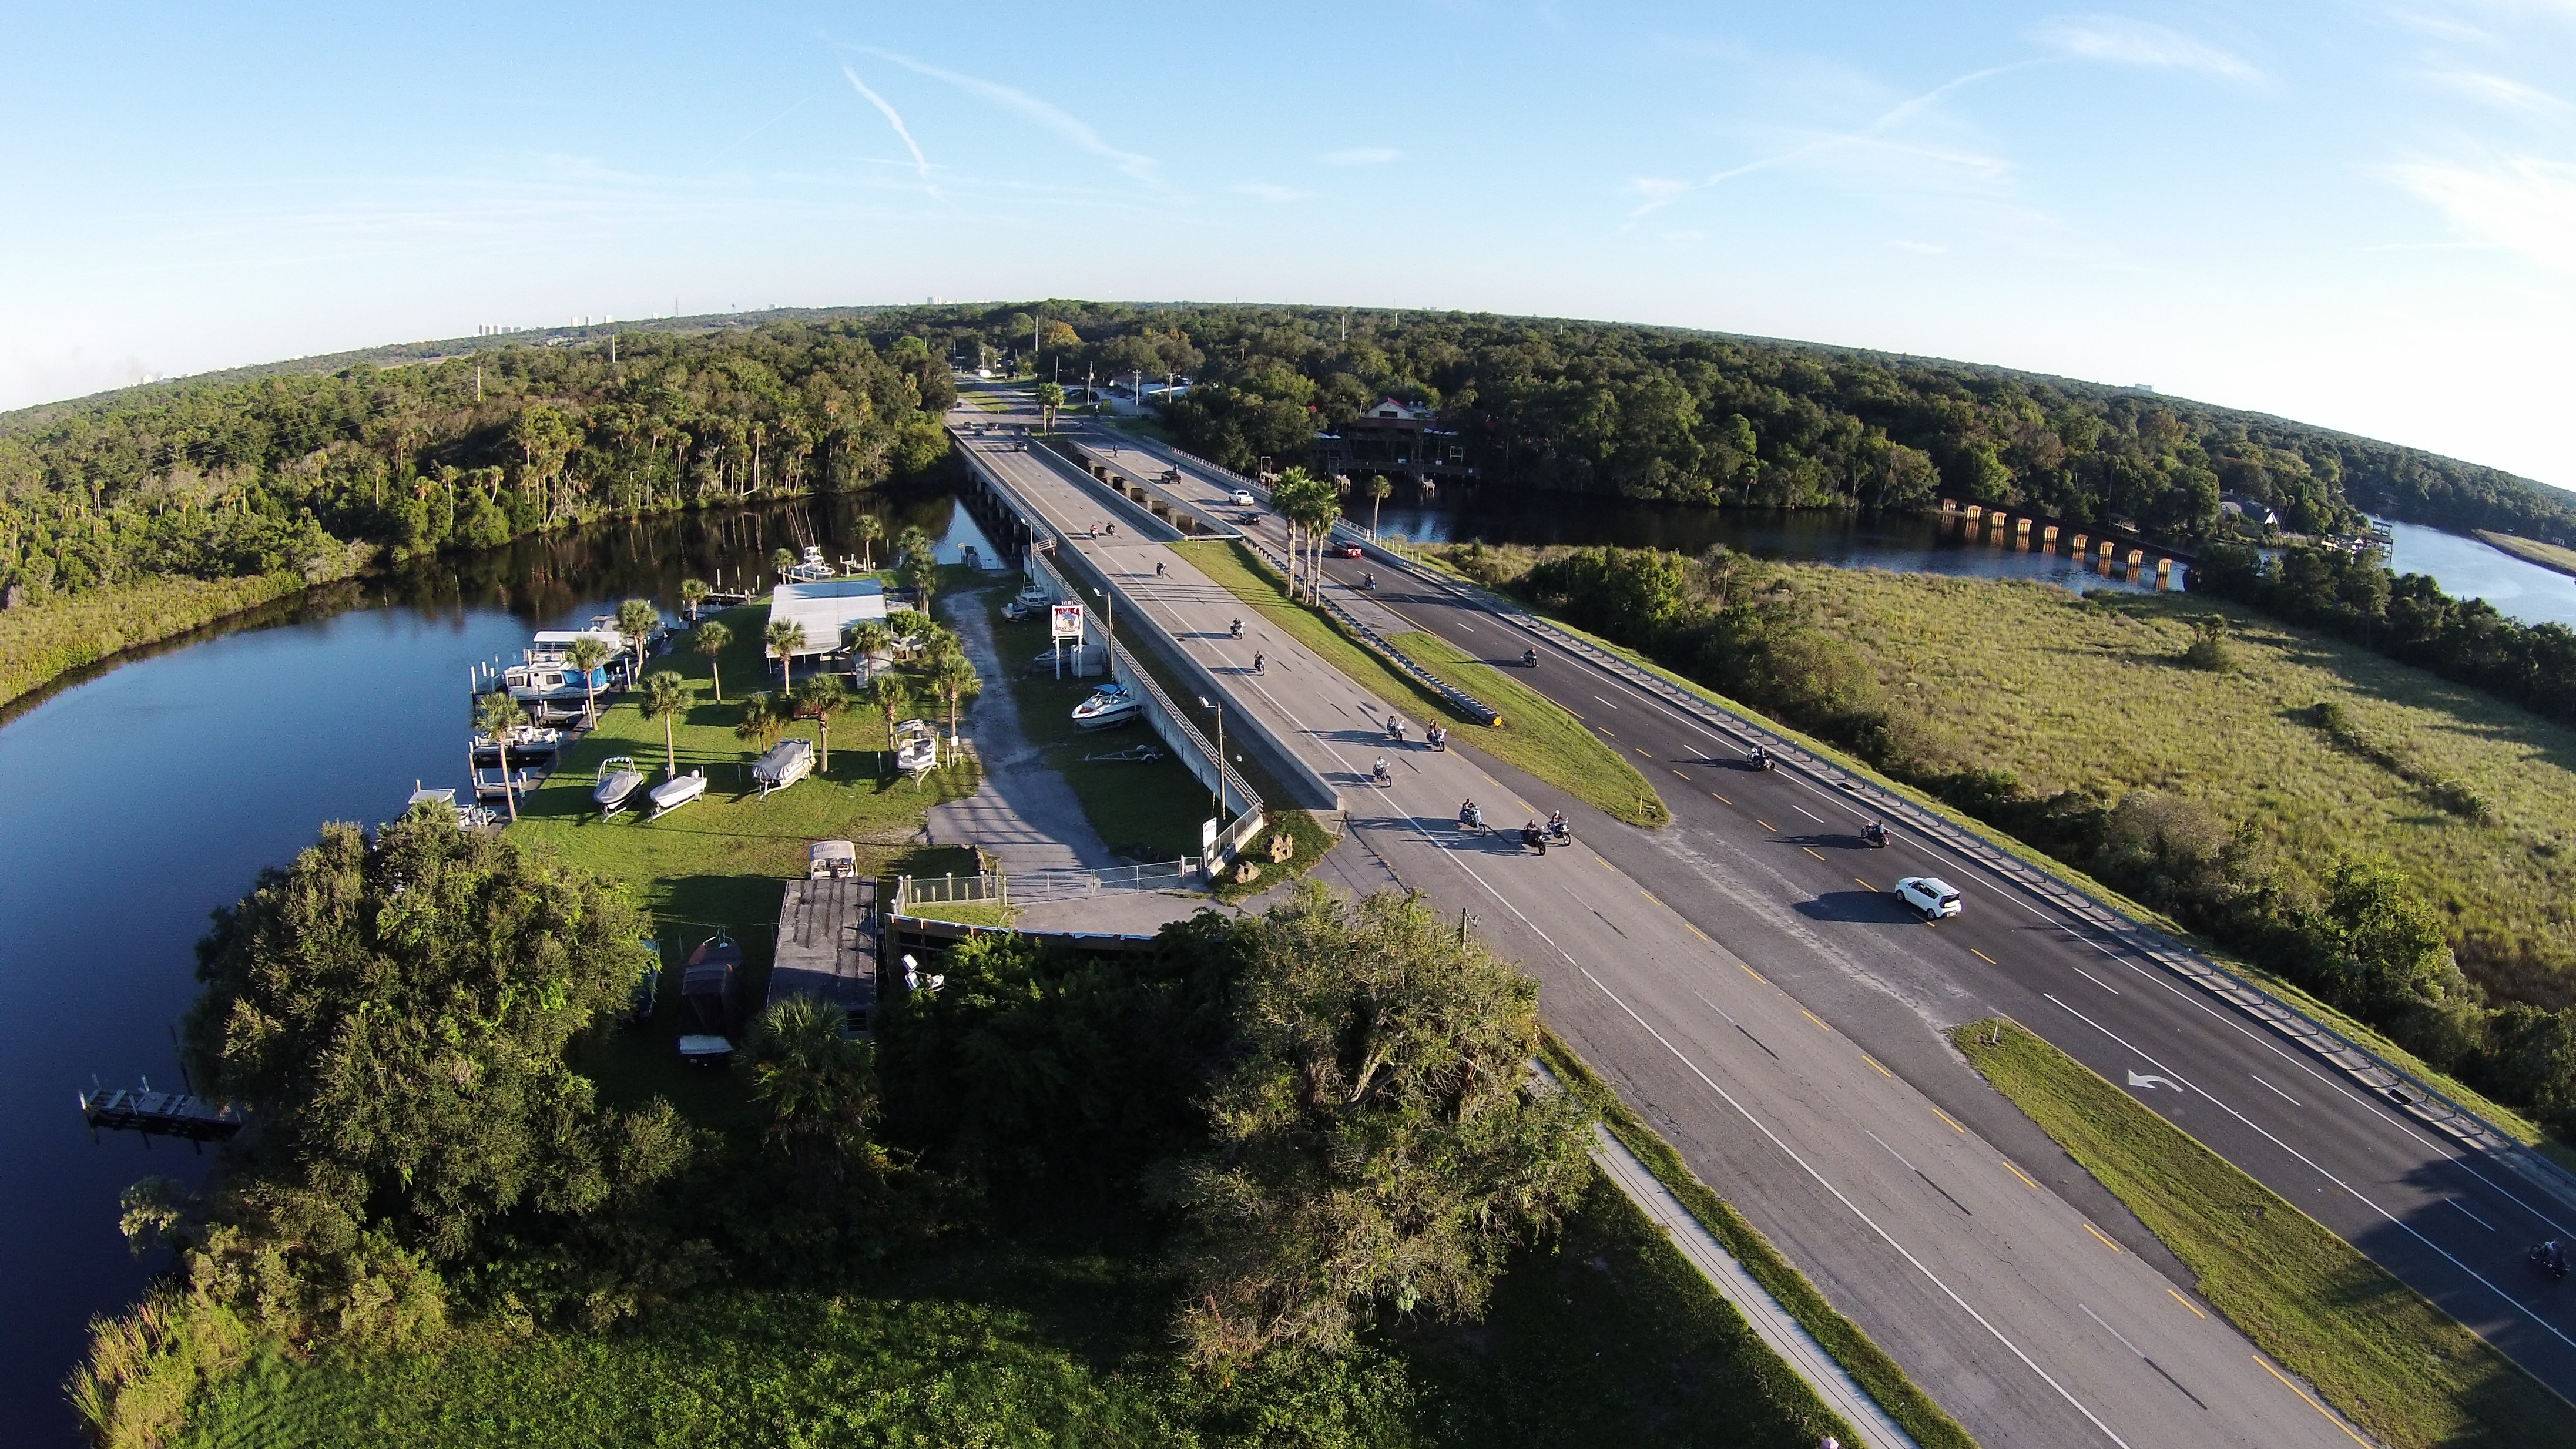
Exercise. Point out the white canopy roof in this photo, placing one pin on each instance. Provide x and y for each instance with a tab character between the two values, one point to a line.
825	609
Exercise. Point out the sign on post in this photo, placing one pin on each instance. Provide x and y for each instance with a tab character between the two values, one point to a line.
1068	622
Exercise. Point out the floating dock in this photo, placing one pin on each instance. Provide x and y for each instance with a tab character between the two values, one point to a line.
160	1114
827	945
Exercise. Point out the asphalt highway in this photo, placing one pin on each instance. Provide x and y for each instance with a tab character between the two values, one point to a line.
2037	1313
1772	864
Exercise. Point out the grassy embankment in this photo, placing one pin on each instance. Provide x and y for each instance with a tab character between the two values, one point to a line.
2532	550
1536	736
42	641
2064	691
2392	1361
1606	1335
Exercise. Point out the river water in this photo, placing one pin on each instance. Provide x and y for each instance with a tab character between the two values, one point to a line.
141	796
2469	568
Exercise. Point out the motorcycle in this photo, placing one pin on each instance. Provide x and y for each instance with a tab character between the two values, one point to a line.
1259	664
1384	777
1529	659
1874	835
2550	1257
1533	839
1760	759
1471	818
1437	737
1238	629
1368	581
1558	831
1395	729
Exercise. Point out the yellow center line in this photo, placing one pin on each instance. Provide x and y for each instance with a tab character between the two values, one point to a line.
1864	885
1767	825
1605	730
1810	850
1650	895
1720	799
1696	931
1882	1071
2311	1403
2026	1182
1982	956
1944	1116
2187	1303
1756	975
2106	1242
1605	865
1677	772
1641	749
1811	1016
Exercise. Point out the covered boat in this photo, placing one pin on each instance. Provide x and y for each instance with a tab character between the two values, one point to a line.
832	860
619	783
787	762
710	1000
529	744
916	746
677	791
1110	704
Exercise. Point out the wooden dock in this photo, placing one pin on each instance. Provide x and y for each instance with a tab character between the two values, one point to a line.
827	945
160	1114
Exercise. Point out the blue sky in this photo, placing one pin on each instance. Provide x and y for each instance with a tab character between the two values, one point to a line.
2362	215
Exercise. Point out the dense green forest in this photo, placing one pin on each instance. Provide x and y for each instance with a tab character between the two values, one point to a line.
252	475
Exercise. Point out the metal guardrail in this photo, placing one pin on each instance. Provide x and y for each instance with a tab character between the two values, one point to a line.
2389	1083
1467	704
1039	886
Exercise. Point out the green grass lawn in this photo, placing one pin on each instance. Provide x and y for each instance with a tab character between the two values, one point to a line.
1145	810
1536	736
2394	1363
2532	550
1606	1336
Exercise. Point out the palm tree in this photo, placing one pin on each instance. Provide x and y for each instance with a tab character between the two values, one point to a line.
822	696
953	675
891	697
867	641
782	560
764	719
915	540
666	697
921	575
1378	488
637	619
818	1083
784	637
870	528
693	596
495	715
1050	397
711	639
586	654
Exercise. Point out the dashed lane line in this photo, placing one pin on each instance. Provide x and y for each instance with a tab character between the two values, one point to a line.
2024	1176
1767	825
1946	1117
1811	850
1713	795
2187	1303
1882	1071
1982	956
1811	1016
2097	1233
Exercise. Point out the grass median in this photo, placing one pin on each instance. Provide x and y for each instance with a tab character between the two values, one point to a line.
2380	1352
1537	736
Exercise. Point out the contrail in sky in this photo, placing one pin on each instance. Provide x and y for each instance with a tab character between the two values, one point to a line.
895	119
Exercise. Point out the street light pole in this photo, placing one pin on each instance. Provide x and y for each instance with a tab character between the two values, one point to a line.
1219	707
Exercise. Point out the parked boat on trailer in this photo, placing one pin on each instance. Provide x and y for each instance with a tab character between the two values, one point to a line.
1109	705
787	762
916	746
618	785
710	1000
677	791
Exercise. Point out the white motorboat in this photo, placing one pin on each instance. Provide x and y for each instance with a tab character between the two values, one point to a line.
1032	596
832	860
813	568
677	791
916	746
529	744
553	684
787	762
1109	705
619	781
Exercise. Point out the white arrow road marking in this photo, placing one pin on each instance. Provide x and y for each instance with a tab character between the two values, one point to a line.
2150	1083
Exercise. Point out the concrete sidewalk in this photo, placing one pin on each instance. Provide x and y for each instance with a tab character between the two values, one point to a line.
1023	812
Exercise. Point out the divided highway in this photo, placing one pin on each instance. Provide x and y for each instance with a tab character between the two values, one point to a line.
2030	1306
1773	865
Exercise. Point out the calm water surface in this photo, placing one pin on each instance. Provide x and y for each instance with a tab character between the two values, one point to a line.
2469	569
135	801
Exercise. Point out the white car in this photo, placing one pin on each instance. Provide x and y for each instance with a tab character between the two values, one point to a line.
1242	497
1931	897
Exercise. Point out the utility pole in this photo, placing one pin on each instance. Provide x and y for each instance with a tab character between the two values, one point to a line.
478	379
1219	707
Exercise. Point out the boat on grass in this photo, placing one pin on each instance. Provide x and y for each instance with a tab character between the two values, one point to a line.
787	762
916	746
677	791
619	783
710	1000
1108	706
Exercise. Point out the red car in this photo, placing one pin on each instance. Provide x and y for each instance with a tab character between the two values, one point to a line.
1350	550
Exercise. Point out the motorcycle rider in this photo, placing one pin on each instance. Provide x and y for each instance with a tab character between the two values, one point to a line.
1470	817
1529	658
1238	628
1556	825
1382	774
1257	662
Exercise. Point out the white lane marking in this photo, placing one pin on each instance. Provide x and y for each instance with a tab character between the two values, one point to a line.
2275	1091
1604	701
1810	814
1468	627
1892	1152
2358	1196
2472	1217
2096	980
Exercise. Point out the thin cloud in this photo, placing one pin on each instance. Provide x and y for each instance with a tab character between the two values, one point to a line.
894	118
1660	192
2122	41
1360	156
1070	128
2500	92
2521	203
1272	192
